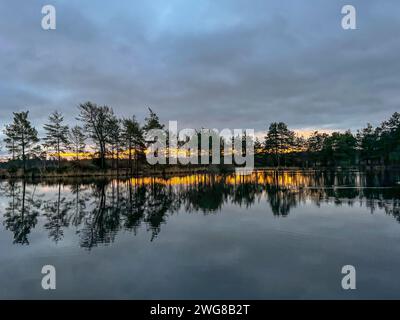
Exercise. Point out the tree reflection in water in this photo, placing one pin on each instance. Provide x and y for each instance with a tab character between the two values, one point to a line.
22	210
99	209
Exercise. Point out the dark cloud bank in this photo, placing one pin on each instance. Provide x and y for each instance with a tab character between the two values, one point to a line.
236	64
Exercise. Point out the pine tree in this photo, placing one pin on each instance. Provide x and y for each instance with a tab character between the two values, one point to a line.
367	143
133	140
115	139
21	137
152	122
10	140
77	141
389	134
315	146
56	134
279	140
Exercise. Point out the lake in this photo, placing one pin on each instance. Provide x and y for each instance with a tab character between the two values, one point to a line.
269	235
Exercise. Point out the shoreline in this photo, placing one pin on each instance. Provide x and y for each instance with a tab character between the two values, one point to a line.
5	175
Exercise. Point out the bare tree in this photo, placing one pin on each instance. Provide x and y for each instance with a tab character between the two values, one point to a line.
96	121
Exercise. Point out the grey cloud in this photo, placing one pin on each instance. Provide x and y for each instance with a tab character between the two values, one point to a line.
227	64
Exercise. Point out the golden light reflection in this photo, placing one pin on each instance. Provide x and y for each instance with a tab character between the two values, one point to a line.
281	179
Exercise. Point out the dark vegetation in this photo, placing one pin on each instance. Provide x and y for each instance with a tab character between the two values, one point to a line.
117	146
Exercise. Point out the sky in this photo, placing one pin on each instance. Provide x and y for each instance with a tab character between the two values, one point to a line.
205	63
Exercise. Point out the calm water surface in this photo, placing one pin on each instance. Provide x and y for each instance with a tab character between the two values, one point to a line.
265	236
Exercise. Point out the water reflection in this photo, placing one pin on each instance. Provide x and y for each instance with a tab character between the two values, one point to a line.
98	209
21	213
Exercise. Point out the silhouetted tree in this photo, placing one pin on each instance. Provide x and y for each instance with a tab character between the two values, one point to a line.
133	140
56	135
279	140
315	145
23	135
10	140
115	139
152	122
96	121
367	143
341	147
389	137
77	141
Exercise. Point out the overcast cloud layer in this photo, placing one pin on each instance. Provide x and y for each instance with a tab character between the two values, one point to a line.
205	63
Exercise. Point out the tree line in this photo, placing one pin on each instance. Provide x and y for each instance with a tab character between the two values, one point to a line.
99	127
368	146
116	138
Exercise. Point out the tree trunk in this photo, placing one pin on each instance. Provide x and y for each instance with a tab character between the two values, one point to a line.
102	156
117	161
136	160
130	159
58	153
23	156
